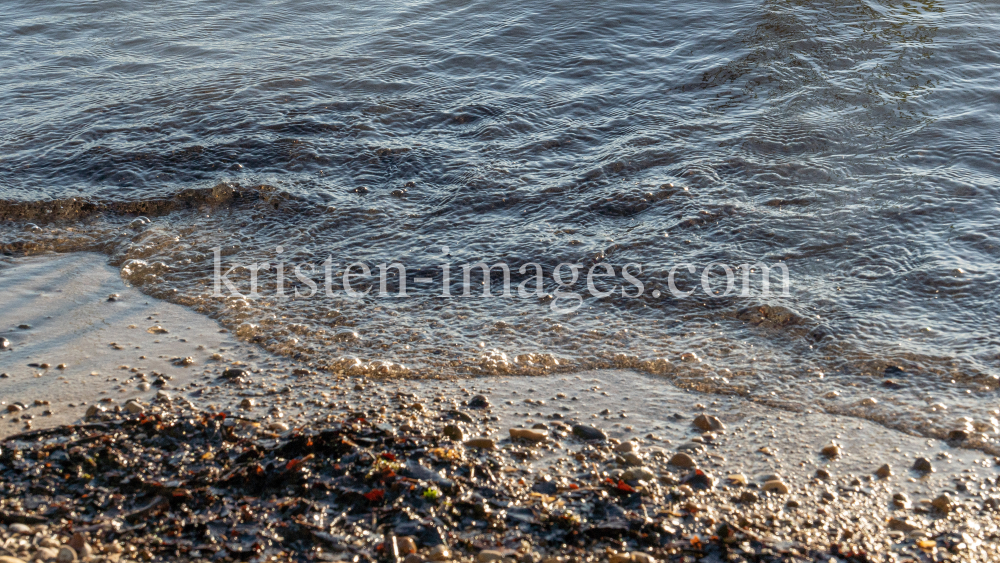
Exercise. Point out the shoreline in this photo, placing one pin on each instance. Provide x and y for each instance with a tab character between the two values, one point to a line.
291	459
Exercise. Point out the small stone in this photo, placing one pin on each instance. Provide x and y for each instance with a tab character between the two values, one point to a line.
585	432
14	407
19	528
234	373
144	386
479	402
638	474
829	496
157	330
632	459
737	479
94	410
278	427
481	443
884	472
943	503
439	553
413	558
901	525
487	555
748	497
708	423
133	407
529	435
832	450
7	559
4	343
453	432
792	503
46	554
66	555
247	404
823	474
406	545
79	543
640	557
958	436
775	486
62	366
163	396
698	479
624	448
625	557
681	460
923	465
900	500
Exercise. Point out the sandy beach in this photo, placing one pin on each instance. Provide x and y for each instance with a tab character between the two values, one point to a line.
602	465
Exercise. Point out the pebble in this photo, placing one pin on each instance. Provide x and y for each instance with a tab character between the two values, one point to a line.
487	555
66	555
832	450
12	408
884	472
900	500
481	443
247	404
46	554
19	528
278	427
943	503
640	557
529	435
624	448
6	559
708	423
453	432
748	497
93	410
133	407
439	553
234	373
823	474
923	464
413	558
585	432
775	486
632	459
901	525
479	402
637	474
737	479
144	386
4	343
406	545
681	460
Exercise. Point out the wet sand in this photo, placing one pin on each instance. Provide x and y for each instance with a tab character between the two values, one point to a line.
64	300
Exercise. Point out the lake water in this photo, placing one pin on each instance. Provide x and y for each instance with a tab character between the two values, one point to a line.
853	141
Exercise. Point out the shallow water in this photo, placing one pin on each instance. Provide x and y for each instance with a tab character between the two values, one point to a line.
853	141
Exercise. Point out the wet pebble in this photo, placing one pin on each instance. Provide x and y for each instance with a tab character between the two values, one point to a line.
884	472
831	450
923	465
479	402
481	443
624	448
775	486
585	432
681	460
708	423
66	554
4	343
453	432
529	435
